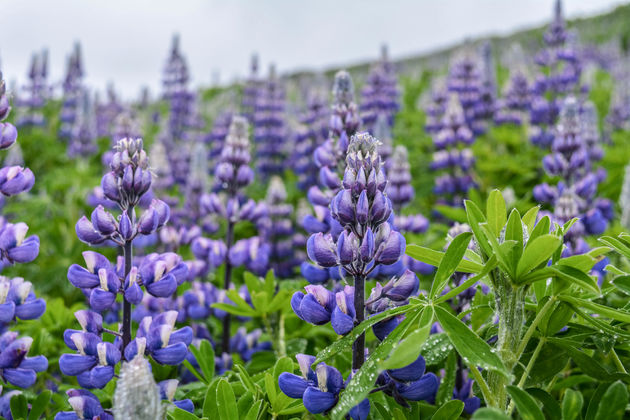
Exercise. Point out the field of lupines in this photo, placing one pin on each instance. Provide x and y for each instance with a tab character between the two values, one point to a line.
448	244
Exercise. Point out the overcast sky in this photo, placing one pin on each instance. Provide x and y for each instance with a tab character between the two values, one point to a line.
127	41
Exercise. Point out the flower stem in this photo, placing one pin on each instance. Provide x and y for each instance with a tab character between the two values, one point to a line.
528	369
358	348
227	281
530	331
126	324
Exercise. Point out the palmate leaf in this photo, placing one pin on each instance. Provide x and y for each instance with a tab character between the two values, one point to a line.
474	351
364	379
226	401
452	258
346	341
606	311
537	252
408	349
496	212
433	257
617	245
475	219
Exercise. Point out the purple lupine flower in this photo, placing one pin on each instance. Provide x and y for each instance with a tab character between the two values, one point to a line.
560	75
167	393
269	127
409	383
453	155
464	80
17	300
15	246
247	344
72	93
85	405
318	389
251	90
82	140
380	93
216	138
95	362
573	152
278	230
463	392
175	90
18	369
158	338
309	137
37	92
436	109
330	156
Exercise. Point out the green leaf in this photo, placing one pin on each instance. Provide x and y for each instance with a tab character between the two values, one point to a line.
254	410
445	392
436	349
622	283
246	379
572	404
244	403
433	257
500	252
226	401
456	214
474	350
496	212
347	340
204	354
449	411
596	399
19	407
453	256
525	404
363	380
617	314
475	218
176	413
541	228
537	252
235	310
210	409
489	413
588	364
616	244
574	276
39	405
550	406
194	371
614	401
514	228
408	349
529	218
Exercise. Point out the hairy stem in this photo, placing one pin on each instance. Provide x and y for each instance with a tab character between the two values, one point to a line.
227	281
510	303
126	323
358	348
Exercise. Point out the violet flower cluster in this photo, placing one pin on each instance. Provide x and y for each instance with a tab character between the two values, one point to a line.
103	282
380	93
330	158
270	133
278	230
232	174
453	156
251	90
363	210
72	93
82	141
465	81
561	69
108	112
180	99
310	136
573	155
37	92
17	299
